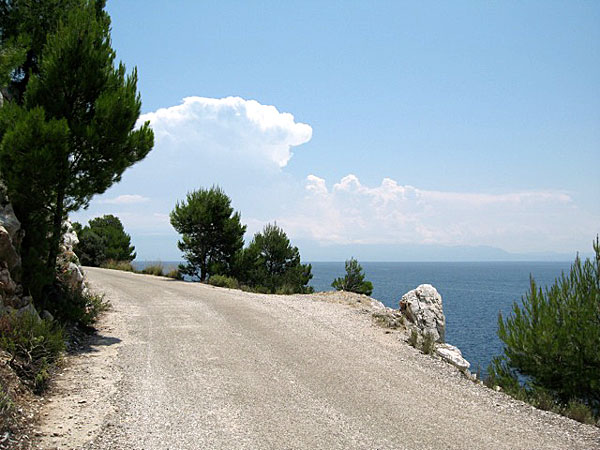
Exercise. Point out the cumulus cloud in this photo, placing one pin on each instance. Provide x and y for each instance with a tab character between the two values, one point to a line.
391	213
125	199
232	128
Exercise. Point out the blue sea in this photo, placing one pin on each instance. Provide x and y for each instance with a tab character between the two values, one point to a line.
473	293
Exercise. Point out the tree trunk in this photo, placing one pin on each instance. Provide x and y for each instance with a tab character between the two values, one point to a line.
56	228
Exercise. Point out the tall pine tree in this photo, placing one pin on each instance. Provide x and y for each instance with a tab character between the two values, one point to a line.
75	112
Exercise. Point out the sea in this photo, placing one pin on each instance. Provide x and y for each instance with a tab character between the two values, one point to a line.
473	294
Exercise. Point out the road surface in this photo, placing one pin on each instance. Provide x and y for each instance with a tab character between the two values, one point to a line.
198	367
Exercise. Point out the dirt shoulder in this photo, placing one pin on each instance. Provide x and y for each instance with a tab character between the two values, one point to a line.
74	409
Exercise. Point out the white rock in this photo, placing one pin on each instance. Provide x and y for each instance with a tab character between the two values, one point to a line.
69	238
423	307
453	355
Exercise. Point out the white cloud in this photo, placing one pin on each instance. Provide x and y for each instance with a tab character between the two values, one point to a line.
125	199
391	213
232	128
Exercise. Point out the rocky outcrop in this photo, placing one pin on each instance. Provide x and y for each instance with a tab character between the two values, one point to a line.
453	355
12	299
423	308
69	268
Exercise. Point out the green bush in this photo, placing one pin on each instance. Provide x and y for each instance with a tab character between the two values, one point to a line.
552	340
154	269
175	274
34	345
580	412
76	307
354	281
118	265
223	281
413	339
428	346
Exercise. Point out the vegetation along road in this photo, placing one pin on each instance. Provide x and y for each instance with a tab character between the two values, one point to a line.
190	366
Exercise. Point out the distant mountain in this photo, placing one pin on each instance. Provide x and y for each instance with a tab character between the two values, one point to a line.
311	251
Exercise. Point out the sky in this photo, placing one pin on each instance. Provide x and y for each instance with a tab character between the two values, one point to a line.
383	130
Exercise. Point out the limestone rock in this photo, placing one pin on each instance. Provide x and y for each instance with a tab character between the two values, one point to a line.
7	217
73	276
8	252
29	309
7	286
46	315
423	307
453	355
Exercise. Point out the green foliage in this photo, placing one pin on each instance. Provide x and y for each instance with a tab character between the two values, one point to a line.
90	248
154	269
270	261
354	281
34	345
580	412
103	239
413	339
175	274
224	281
67	131
552	340
212	233
428	345
118	265
77	307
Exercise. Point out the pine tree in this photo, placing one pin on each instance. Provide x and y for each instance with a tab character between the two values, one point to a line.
271	262
69	85
212	233
354	280
552	339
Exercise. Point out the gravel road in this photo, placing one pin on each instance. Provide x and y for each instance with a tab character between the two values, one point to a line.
200	367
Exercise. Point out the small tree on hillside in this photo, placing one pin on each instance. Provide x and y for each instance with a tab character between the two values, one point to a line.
272	262
552	340
212	233
354	281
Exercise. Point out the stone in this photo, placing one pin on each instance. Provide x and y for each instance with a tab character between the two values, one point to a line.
46	315
7	286
73	276
69	238
423	307
453	355
8	252
7	217
29	309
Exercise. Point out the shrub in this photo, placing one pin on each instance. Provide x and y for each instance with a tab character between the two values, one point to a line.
551	341
77	307
154	269
413	339
175	274
286	289
34	345
428	345
580	412
223	281
354	281
118	265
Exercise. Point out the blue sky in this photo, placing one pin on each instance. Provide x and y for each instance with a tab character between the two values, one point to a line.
361	126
